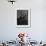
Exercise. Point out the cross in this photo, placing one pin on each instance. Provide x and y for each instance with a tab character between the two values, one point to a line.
11	1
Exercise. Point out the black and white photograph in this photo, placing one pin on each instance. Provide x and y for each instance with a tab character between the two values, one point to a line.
23	17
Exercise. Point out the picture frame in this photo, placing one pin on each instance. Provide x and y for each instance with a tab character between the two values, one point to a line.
23	17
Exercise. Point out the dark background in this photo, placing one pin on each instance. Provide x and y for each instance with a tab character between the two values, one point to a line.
22	17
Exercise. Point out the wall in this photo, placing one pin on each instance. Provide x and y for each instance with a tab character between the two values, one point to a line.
8	28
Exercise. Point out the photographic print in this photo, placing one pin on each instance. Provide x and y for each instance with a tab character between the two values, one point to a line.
23	18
